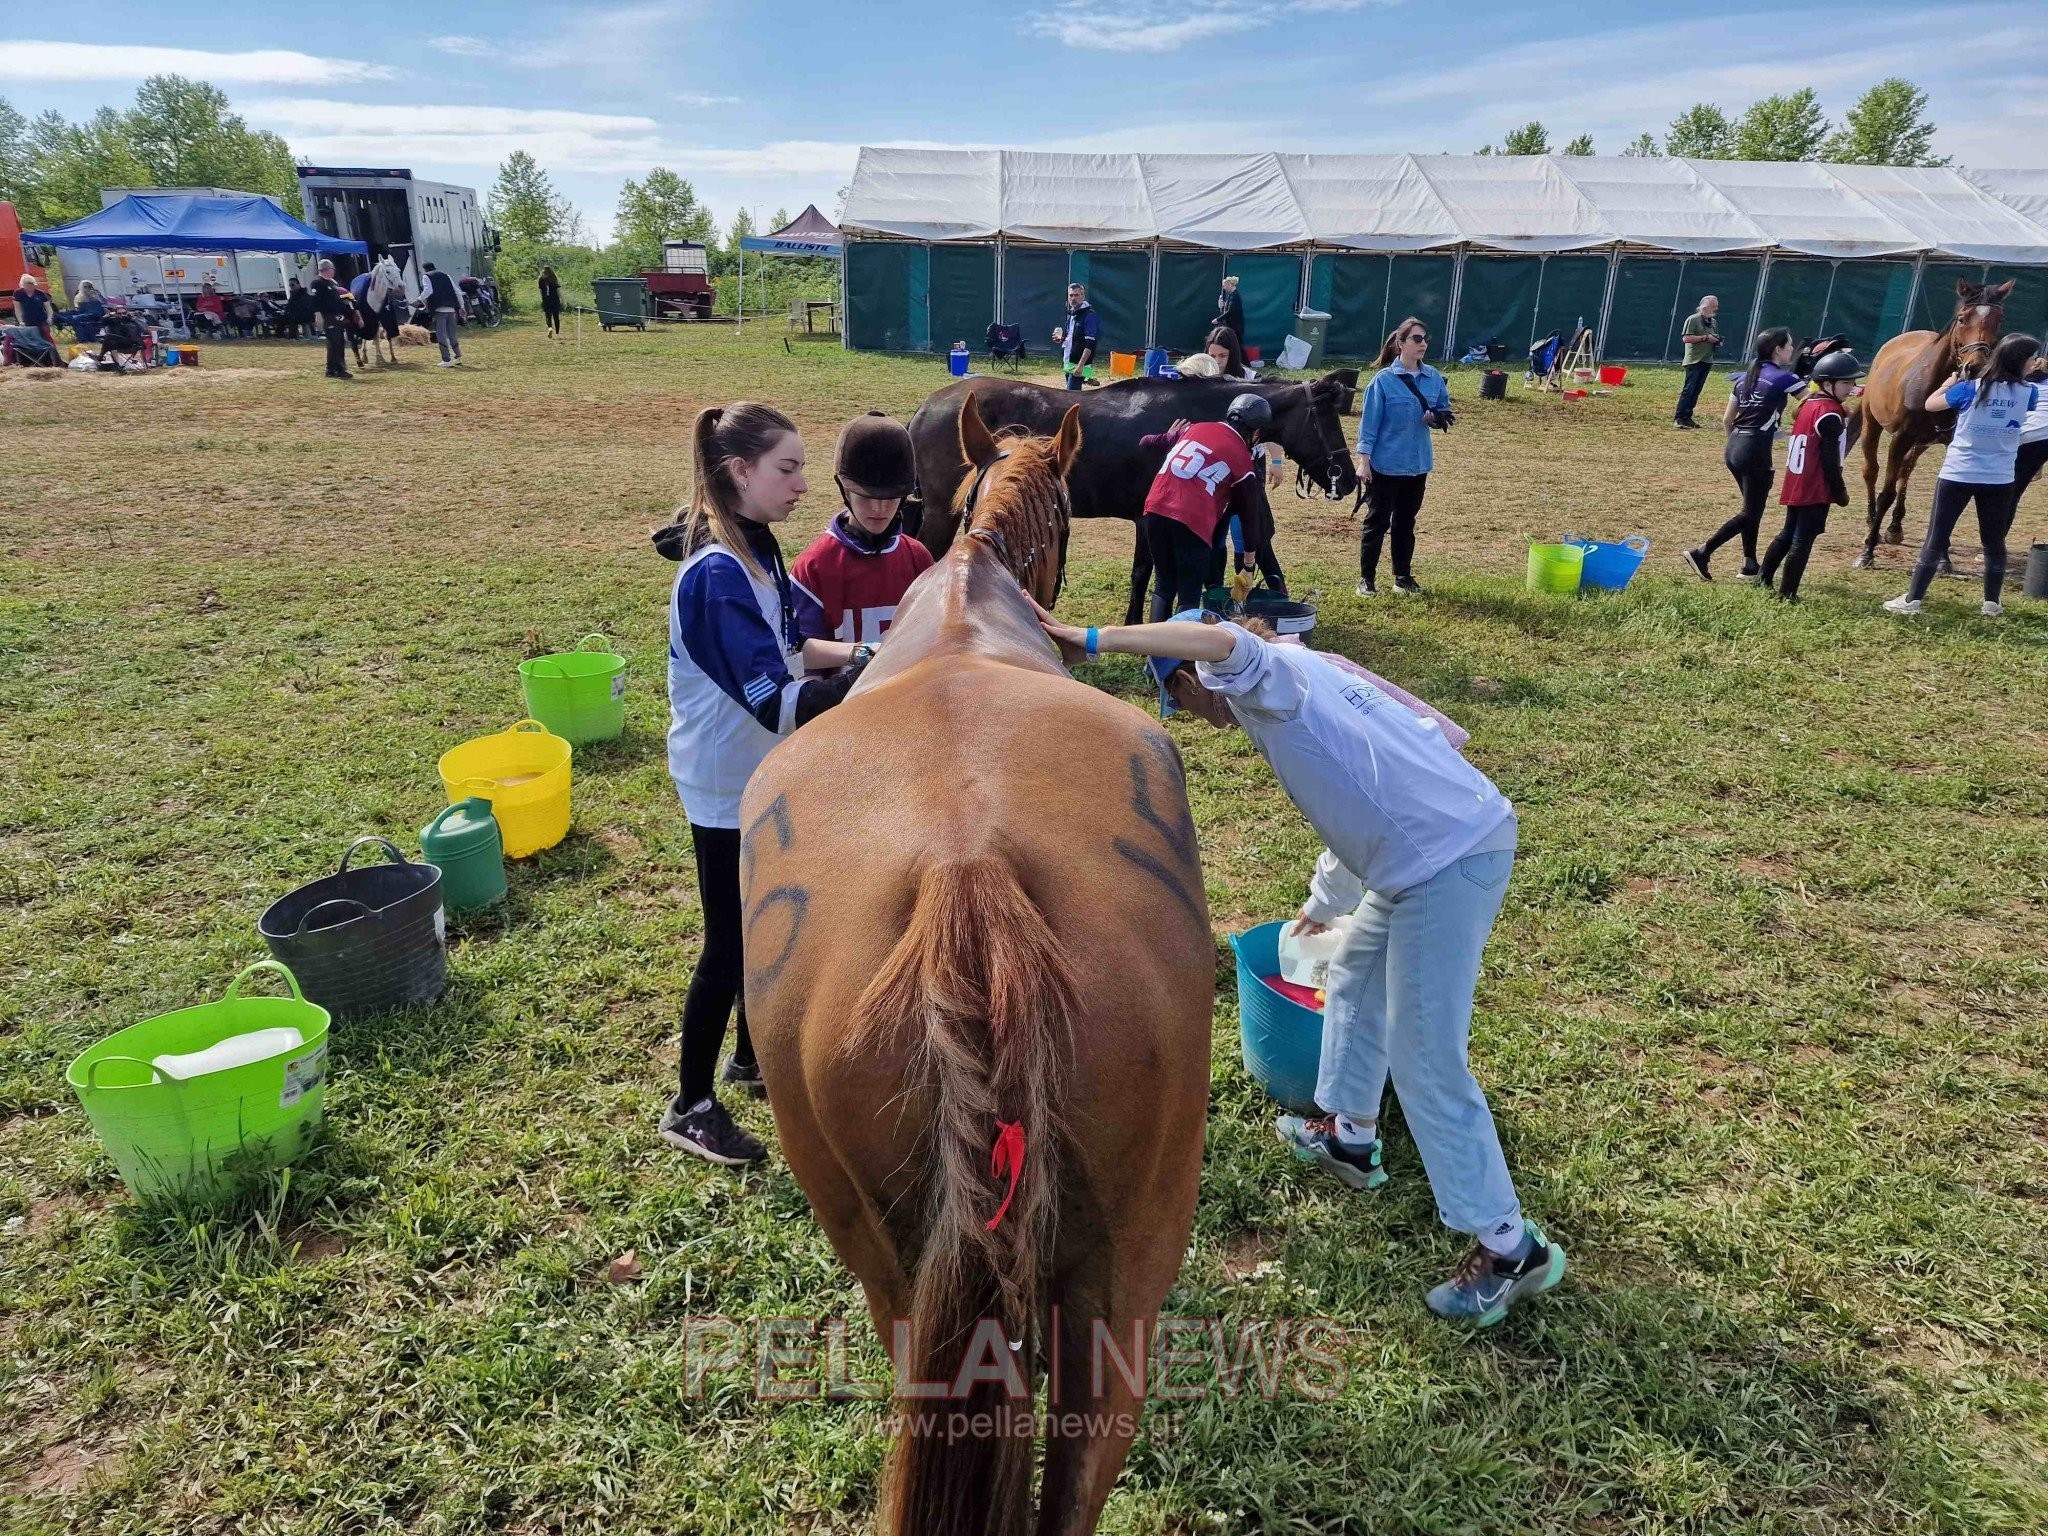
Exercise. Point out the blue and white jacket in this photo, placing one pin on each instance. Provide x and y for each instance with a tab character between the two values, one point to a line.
1391	432
735	665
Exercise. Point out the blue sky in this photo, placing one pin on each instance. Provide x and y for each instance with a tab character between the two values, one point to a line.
764	104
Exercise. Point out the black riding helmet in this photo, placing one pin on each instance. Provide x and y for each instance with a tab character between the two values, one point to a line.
1250	414
1840	364
875	459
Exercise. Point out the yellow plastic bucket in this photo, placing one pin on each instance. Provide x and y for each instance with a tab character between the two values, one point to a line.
524	772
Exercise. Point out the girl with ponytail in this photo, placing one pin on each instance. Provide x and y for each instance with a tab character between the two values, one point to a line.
1751	419
736	686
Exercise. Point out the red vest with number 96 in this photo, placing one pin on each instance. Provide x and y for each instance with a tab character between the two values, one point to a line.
1193	485
1806	479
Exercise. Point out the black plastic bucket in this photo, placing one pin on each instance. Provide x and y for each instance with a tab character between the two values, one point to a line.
1287	616
2036	584
364	940
1493	385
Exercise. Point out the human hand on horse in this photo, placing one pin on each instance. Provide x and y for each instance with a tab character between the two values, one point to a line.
1071	639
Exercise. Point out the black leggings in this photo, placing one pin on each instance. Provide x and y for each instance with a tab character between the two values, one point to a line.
1792	545
1180	564
2032	456
552	313
1994	517
1392	502
715	985
1748	458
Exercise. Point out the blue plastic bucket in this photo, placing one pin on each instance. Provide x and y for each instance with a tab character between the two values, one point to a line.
1282	1041
1609	566
1155	360
957	360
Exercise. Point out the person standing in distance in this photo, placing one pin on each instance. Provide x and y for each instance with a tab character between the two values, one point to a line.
551	300
1077	338
1405	401
1230	310
1700	340
445	304
330	303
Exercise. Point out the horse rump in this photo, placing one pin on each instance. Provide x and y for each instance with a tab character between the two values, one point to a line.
979	989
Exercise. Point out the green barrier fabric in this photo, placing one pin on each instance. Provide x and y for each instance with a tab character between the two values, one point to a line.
1573	288
1035	295
2026	307
1419	286
1643	319
963	286
1117	282
886	296
1498	300
1189	282
1936	304
1352	291
1796	297
1732	280
1868	304
1271	289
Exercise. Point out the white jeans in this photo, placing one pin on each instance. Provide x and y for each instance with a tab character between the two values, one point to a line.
1399	1002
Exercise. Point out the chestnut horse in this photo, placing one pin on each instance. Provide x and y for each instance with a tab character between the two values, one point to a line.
1906	370
980	988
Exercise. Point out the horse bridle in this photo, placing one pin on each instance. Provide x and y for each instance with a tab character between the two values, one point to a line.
993	537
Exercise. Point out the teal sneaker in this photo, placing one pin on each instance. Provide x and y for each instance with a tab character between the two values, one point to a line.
1315	1141
1486	1285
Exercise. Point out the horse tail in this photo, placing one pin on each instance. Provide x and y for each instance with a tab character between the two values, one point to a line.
982	989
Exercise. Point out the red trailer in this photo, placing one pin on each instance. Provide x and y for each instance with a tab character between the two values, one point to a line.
14	261
681	286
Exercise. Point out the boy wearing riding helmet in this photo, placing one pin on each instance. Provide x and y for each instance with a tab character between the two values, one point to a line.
850	580
1813	472
1421	844
1208	477
736	686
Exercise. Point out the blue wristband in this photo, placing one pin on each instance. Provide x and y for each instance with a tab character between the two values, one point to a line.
1094	640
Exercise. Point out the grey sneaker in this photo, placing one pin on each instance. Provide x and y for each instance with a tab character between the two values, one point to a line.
1315	1141
1366	589
1486	1285
1903	604
1992	610
709	1132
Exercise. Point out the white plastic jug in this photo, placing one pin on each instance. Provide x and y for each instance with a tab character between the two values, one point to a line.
1305	959
235	1051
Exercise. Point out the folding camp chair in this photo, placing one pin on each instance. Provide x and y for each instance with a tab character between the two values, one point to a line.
1006	345
1544	360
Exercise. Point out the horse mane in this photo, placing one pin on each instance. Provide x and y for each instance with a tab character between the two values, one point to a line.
1023	513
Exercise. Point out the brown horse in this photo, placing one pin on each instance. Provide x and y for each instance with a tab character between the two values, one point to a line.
964	956
1906	370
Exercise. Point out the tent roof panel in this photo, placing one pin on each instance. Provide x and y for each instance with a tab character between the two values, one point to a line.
1951	216
1804	210
1654	201
1074	199
1515	202
927	194
2025	192
1223	202
1369	202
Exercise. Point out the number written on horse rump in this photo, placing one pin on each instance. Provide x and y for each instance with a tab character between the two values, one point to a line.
1190	461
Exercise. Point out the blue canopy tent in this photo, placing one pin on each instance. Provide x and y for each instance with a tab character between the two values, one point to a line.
145	221
810	233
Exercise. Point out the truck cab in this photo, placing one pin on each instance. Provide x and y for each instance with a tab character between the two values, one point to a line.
15	261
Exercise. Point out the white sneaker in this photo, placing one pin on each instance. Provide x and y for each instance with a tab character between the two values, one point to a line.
445	363
1903	604
1992	610
1366	589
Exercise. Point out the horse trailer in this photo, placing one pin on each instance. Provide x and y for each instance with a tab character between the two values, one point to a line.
395	214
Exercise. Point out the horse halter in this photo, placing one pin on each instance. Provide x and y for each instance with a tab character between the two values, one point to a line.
993	537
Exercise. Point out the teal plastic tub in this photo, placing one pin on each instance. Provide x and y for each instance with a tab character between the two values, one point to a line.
1282	1041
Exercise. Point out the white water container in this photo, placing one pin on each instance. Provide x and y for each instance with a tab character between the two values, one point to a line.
235	1051
1305	958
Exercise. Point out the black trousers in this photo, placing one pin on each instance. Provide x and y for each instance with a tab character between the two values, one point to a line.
1786	558
2032	457
552	313
1689	391
1995	505
715	986
1180	565
1748	457
1392	503
337	347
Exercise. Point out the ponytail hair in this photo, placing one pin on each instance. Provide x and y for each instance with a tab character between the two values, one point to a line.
1392	349
2008	365
722	436
1767	342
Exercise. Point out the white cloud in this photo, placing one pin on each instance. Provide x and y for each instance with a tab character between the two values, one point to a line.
462	46
1157	27
688	99
44	61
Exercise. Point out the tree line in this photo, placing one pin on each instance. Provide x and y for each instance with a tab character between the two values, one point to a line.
1887	126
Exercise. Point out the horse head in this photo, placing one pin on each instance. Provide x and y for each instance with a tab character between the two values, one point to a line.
1308	425
1016	500
1979	322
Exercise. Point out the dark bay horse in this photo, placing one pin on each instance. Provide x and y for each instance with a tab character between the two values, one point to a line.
1113	473
1893	405
962	947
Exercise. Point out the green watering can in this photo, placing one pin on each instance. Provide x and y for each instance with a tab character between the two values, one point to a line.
465	842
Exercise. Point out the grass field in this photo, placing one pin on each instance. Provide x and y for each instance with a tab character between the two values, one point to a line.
1763	1021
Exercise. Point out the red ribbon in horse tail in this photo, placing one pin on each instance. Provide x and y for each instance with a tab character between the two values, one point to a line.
1007	1156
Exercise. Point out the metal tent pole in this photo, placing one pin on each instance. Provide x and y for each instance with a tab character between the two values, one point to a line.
1756	307
1912	298
1152	298
1607	301
1457	293
1536	309
1677	297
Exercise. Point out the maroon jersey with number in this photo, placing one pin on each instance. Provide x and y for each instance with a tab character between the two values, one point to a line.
1806	479
1193	485
847	586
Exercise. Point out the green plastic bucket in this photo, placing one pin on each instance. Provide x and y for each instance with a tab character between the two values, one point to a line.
578	695
169	1135
1556	568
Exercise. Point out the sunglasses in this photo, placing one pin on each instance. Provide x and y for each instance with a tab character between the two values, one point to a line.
1415	336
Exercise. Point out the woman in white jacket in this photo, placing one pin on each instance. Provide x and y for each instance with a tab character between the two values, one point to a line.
1421	844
